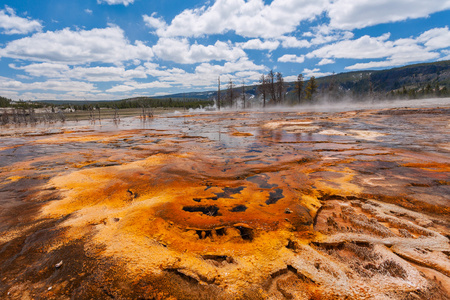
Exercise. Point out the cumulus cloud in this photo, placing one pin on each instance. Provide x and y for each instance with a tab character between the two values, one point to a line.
106	74
228	68
326	61
255	19
325	34
319	35
10	23
49	85
133	85
251	18
437	38
257	44
350	14
446	55
180	51
293	42
91	74
307	73
115	2
292	58
50	70
88	11
364	47
106	45
395	53
206	74
153	22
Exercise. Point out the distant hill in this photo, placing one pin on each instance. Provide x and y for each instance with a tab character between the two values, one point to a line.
411	76
408	80
416	76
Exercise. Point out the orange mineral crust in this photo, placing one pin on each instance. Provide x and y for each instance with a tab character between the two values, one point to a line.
229	205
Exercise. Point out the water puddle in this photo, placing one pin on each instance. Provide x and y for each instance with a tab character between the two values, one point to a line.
226	203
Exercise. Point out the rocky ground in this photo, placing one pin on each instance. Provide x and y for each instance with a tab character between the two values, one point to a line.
229	205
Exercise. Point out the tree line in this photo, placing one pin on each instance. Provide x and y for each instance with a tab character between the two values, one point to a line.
425	91
5	102
146	102
272	89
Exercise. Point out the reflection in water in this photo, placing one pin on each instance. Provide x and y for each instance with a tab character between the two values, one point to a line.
250	205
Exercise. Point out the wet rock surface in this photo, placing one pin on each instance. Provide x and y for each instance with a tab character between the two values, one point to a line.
229	205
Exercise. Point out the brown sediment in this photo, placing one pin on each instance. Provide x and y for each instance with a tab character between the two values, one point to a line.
290	206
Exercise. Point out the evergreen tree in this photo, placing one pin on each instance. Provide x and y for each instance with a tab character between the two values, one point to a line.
437	89
311	88
4	102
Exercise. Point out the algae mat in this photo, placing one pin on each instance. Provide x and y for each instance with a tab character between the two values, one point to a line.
229	205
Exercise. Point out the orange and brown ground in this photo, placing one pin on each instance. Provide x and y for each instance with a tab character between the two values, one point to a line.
230	205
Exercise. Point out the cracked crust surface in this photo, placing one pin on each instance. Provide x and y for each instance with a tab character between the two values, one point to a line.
230	206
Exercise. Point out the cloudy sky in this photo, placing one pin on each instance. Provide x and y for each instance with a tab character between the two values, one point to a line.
113	49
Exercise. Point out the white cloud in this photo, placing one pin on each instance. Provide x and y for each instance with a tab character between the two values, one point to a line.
324	34
446	54
364	47
228	68
290	78
9	84
350	14
320	35
91	74
251	18
394	53
307	73
70	82
153	22
50	70
56	85
293	42
206	74
292	58
105	74
133	85
414	54
88	11
326	61
49	85
255	19
257	44
10	23
107	45
180	51
437	38
74	96
114	2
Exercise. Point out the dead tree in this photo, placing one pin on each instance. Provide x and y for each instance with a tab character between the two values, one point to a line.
271	86
299	87
243	93
263	88
280	88
230	93
218	94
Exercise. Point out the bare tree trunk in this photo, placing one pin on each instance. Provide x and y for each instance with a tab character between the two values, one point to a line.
218	94
243	92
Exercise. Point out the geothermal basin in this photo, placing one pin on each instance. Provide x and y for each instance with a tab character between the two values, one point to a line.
288	204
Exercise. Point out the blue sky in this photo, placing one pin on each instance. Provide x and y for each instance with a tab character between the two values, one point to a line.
114	49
